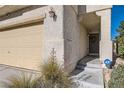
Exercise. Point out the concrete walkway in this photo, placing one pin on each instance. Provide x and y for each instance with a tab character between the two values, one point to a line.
88	73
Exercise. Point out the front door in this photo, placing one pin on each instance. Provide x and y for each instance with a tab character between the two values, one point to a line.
94	43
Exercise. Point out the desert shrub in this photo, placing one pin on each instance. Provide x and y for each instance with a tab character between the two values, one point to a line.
117	77
21	80
53	75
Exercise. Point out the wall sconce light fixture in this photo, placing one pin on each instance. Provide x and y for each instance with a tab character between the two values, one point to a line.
52	14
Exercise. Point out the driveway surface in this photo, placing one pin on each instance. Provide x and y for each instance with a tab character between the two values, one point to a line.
8	71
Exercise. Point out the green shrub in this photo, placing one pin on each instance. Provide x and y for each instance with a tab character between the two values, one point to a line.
121	51
117	77
120	39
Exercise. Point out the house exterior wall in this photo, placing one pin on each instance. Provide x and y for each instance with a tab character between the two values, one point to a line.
75	39
106	48
84	42
66	35
53	34
5	9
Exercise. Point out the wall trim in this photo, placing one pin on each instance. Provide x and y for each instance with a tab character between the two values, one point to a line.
26	18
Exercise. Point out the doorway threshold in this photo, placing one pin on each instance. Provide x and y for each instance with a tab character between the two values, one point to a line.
93	54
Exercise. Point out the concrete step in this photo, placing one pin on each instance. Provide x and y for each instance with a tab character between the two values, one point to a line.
80	67
75	72
89	77
83	84
90	65
93	64
89	73
92	69
81	63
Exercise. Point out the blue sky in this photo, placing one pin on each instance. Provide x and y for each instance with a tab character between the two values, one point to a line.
117	17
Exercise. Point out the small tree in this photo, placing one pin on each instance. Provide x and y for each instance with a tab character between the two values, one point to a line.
117	77
120	39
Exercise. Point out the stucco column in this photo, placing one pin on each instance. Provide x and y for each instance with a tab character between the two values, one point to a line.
105	35
53	34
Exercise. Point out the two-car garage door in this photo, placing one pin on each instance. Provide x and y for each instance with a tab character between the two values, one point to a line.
22	46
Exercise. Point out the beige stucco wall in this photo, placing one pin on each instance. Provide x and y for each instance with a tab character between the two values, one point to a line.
84	42
106	49
53	34
75	41
22	47
16	19
4	9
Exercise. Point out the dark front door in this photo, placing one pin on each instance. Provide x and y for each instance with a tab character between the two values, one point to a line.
94	43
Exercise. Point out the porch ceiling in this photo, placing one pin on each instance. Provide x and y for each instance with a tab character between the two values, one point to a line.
90	20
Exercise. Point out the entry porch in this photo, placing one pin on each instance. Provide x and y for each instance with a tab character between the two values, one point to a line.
97	25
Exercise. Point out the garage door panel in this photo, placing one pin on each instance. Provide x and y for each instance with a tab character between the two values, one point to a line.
22	47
